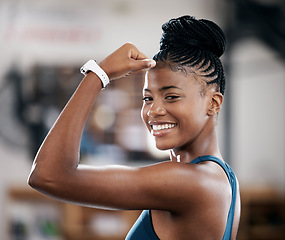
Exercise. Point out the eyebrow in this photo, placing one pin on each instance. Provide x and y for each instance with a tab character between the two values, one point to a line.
164	88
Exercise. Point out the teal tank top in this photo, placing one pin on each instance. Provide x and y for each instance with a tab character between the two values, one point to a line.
143	228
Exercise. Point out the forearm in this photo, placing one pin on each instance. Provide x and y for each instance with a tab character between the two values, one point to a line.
55	171
59	153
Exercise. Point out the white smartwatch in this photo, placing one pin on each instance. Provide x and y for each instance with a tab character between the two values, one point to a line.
92	66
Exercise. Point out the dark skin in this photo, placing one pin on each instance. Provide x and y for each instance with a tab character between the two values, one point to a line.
184	199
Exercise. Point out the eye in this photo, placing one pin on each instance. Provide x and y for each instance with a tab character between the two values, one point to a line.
147	99
172	97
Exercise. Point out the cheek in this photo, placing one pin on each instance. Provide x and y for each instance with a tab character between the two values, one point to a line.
192	118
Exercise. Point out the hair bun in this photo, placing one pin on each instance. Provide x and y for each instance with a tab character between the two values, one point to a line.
188	32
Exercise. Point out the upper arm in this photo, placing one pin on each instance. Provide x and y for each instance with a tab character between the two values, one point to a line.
164	186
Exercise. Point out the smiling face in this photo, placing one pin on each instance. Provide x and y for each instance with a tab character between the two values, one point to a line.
174	110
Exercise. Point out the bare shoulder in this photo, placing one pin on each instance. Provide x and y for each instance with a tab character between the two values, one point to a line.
203	198
197	175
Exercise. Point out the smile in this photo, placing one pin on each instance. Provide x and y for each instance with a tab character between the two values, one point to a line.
163	126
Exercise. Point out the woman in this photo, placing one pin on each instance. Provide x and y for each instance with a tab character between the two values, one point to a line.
192	196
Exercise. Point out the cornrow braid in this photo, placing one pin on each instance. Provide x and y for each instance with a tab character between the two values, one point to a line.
189	42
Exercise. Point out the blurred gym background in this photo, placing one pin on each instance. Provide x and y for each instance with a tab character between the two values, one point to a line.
42	46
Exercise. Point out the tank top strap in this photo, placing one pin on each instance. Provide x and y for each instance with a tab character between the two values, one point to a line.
232	179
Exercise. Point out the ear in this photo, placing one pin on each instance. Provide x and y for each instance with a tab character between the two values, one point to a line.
215	104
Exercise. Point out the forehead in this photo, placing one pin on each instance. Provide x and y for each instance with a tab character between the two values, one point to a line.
160	77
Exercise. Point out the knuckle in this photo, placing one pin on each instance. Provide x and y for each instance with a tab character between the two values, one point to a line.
128	44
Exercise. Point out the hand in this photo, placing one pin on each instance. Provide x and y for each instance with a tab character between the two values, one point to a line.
124	61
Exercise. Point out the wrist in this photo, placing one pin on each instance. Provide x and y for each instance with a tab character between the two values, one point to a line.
92	66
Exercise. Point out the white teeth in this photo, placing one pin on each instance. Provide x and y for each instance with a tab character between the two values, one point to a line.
162	126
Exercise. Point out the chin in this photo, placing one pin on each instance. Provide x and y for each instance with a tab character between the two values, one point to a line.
163	147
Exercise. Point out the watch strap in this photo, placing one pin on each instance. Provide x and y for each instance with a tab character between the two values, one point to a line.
92	66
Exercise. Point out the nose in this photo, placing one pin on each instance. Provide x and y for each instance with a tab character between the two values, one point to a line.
156	110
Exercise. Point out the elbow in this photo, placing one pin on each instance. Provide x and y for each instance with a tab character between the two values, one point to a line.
36	181
39	181
47	181
43	184
33	180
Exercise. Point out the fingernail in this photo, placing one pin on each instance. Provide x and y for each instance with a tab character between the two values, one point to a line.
151	63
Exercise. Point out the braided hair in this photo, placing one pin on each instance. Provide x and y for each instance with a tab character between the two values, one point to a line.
193	43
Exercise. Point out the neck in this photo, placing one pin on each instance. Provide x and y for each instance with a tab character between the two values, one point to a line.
200	147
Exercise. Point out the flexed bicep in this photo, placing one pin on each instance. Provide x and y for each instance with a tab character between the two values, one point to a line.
55	171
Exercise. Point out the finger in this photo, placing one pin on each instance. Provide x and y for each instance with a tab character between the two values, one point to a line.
150	63
138	65
141	56
136	54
